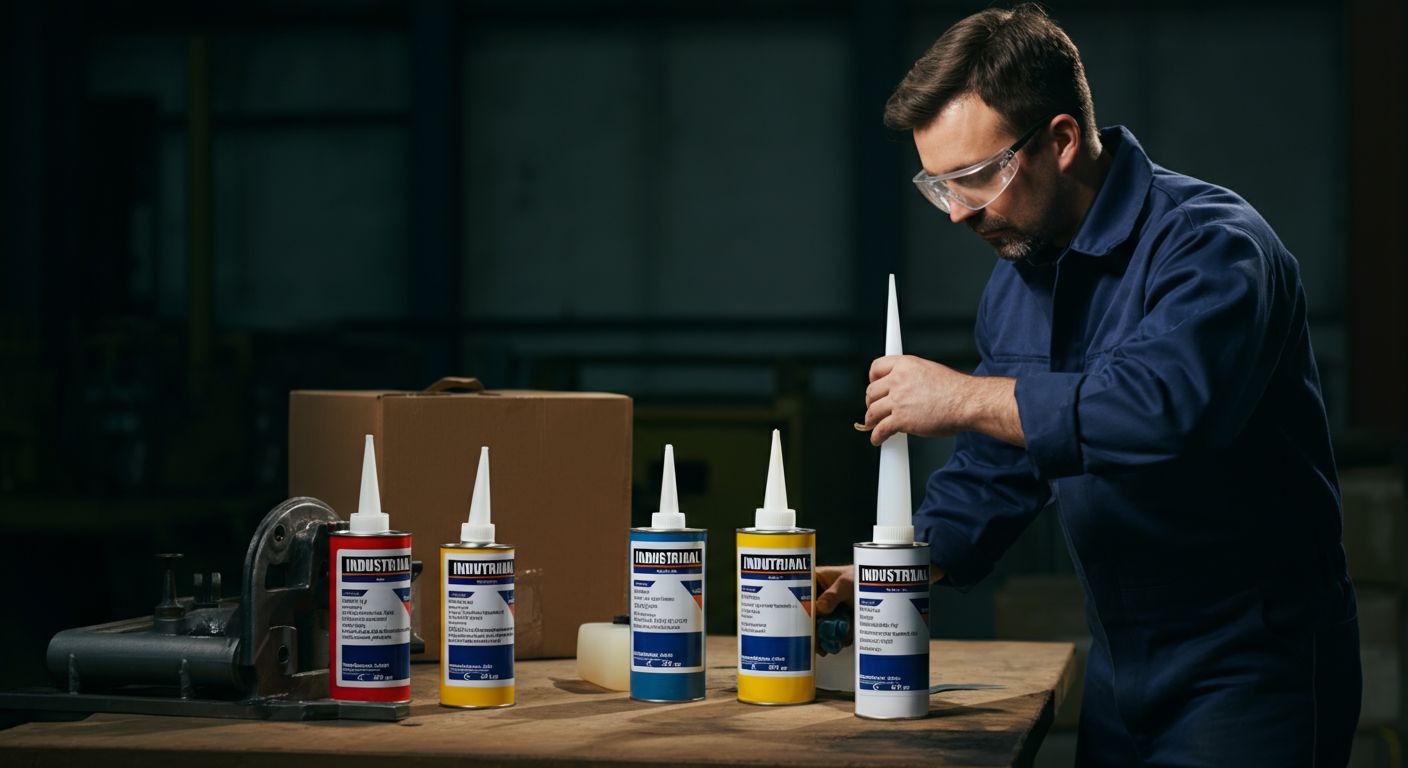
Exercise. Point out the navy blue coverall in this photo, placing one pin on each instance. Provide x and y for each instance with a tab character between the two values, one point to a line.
1172	411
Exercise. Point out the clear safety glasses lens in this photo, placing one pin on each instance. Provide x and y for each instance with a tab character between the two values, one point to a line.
974	187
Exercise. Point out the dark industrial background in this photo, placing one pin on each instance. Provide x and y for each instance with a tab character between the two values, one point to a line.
692	203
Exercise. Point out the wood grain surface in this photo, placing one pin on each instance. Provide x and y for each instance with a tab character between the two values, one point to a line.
562	720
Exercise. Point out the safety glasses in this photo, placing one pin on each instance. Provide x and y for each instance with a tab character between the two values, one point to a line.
979	184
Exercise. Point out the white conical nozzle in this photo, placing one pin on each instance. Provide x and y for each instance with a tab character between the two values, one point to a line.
369	518
774	514
894	522
892	323
479	528
669	515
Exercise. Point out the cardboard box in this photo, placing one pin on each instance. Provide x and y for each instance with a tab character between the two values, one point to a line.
560	469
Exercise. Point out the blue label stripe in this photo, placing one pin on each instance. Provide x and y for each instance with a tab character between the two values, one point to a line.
670	570
481	581
376	663
895	588
775	654
480	662
662	650
380	579
894	673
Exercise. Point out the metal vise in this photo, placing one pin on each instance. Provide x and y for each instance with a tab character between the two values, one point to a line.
264	655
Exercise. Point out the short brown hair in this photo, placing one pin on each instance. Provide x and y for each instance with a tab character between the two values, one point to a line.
1019	61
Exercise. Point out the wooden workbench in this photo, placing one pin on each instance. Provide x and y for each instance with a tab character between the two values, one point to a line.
561	720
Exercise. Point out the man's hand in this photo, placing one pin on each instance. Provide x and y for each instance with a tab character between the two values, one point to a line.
836	584
919	397
838	588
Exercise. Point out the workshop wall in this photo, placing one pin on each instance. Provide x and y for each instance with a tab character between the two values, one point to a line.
692	204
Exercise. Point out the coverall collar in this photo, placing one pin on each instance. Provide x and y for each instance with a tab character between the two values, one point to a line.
1115	212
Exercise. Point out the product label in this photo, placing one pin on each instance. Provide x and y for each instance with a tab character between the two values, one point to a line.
478	619
373	617
667	606
775	627
892	627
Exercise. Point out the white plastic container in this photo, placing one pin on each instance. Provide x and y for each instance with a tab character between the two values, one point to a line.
604	655
892	585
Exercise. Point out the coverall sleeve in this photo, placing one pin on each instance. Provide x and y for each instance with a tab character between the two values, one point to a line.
1187	379
976	506
980	501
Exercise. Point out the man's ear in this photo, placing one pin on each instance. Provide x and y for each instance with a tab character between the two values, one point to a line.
1065	134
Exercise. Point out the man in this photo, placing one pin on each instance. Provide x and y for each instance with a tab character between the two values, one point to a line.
1146	366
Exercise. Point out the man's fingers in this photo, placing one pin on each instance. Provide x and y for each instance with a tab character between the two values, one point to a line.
876	413
838	590
882	366
876	390
883	429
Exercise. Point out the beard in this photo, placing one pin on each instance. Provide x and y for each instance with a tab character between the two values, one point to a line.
1010	241
1013	242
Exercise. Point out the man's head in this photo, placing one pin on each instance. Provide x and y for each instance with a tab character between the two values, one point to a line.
991	80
